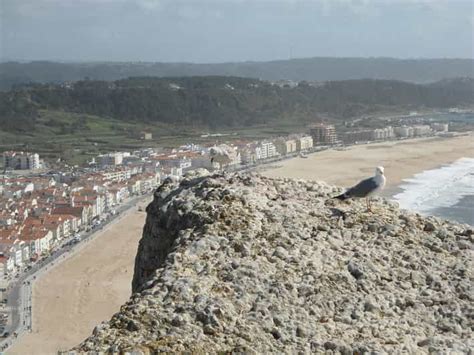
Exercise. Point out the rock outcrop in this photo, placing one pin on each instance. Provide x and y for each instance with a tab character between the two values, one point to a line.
250	264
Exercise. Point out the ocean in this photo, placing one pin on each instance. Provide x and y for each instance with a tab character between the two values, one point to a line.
446	192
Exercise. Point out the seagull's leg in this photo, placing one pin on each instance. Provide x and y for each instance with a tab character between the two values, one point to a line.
368	204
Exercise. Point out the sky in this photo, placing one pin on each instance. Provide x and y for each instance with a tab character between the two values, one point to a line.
210	31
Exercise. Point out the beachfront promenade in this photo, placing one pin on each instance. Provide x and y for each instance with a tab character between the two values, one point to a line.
19	292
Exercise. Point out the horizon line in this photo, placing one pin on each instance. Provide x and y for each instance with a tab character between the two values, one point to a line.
93	61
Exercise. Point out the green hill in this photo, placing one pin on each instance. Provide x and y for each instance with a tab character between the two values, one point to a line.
216	102
93	116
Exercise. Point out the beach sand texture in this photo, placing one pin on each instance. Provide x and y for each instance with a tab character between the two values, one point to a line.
84	290
401	159
90	287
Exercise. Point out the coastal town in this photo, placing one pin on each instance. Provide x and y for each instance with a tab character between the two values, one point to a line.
44	211
41	209
268	177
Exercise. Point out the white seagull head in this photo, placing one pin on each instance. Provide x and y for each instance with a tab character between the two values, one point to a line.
379	170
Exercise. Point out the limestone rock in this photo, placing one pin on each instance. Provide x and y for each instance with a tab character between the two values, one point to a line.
245	263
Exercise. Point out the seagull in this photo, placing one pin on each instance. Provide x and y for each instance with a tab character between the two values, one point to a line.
366	188
220	155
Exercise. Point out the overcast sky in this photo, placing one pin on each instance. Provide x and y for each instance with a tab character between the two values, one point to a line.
233	30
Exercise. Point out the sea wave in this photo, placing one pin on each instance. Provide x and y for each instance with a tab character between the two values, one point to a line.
438	188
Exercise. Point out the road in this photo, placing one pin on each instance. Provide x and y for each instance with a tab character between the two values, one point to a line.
19	292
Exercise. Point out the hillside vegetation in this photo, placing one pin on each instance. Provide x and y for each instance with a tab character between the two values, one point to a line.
311	69
219	102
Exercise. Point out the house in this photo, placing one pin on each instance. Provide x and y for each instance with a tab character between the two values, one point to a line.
13	248
7	263
39	240
80	212
146	136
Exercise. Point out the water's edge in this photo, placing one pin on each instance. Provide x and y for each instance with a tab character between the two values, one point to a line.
446	191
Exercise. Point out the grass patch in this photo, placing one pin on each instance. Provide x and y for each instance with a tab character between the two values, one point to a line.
76	138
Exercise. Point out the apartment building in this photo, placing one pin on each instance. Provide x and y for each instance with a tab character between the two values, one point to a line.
304	143
440	127
285	146
404	131
117	175
383	133
323	134
266	150
421	130
21	160
112	159
357	136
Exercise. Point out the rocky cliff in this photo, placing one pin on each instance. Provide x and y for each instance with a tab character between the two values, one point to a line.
251	264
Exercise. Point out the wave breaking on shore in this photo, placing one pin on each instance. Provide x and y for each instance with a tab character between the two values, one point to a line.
433	191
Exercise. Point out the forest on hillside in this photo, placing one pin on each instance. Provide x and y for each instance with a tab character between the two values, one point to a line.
218	101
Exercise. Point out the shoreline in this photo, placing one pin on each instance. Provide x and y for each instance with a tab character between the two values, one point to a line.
401	159
446	191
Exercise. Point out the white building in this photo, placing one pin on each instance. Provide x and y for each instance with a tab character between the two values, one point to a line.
383	133
266	150
7	263
440	127
304	143
404	131
117	175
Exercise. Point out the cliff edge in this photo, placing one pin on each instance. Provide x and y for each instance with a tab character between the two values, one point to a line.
246	263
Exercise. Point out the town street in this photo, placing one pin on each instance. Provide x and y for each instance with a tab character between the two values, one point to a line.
19	292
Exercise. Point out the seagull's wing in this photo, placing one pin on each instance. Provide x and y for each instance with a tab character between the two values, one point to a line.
363	188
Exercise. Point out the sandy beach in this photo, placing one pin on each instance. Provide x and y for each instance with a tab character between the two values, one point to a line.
84	290
401	159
